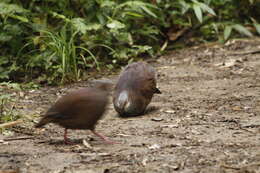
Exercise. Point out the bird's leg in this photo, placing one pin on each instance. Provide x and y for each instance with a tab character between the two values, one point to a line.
66	141
108	141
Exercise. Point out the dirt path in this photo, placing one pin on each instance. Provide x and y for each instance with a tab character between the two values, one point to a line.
207	120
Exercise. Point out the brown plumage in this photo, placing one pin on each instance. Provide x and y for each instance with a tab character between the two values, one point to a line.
79	109
135	88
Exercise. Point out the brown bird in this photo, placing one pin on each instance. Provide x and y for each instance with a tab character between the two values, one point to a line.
79	109
134	90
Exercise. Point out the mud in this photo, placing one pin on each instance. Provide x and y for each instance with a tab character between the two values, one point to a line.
207	119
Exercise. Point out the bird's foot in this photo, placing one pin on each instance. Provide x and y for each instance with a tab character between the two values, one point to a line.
68	142
105	139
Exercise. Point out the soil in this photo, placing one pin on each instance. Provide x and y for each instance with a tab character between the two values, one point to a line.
207	120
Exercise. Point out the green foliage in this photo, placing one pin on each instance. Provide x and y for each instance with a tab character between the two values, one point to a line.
7	108
56	41
232	20
257	27
62	49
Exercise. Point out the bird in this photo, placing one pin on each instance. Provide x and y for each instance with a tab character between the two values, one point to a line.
79	109
134	89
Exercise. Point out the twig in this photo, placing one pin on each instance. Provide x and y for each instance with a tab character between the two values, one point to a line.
10	124
244	53
230	167
9	171
238	168
18	138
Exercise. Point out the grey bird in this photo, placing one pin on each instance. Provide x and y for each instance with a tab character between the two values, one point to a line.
135	88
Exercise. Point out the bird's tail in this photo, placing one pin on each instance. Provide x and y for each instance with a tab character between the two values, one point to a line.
122	103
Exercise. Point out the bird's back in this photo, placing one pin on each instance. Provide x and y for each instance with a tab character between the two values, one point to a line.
135	75
79	109
135	88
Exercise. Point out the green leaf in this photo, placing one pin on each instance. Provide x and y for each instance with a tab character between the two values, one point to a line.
79	24
4	37
133	14
107	3
185	7
241	29
148	11
114	24
142	48
257	27
5	96
215	27
3	75
197	11
15	86
7	9
93	27
227	32
206	8
136	6
60	16
21	18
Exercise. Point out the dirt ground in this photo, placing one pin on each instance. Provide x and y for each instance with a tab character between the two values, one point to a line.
207	120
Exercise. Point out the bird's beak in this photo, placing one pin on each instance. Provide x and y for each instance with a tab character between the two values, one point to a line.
157	91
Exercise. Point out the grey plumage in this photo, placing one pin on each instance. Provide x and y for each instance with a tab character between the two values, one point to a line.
135	88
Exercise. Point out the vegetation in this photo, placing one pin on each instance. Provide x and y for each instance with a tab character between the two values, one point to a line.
7	102
56	41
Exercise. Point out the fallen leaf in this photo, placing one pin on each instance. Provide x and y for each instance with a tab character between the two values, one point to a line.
169	111
86	144
144	161
124	135
170	125
154	147
157	119
237	108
